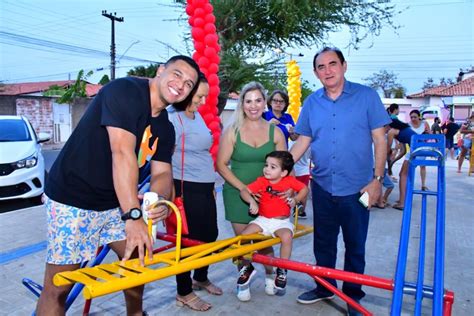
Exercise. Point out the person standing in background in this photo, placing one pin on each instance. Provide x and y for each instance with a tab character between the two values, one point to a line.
278	103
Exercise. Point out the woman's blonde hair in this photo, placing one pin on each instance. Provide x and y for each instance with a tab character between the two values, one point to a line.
239	115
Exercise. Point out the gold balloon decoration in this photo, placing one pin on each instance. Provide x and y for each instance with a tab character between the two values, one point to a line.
294	88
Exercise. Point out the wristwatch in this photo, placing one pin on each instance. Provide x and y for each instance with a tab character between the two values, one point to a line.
134	213
379	178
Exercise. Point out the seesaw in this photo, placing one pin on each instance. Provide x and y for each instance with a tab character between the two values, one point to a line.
108	278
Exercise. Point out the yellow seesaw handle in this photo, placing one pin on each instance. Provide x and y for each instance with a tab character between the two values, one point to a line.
175	209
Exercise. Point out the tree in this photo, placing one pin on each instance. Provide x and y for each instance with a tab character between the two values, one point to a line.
141	71
387	82
428	84
76	90
251	29
104	80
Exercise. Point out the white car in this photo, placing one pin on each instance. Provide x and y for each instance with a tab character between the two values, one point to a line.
22	171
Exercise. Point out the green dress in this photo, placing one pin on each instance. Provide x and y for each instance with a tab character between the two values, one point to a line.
247	164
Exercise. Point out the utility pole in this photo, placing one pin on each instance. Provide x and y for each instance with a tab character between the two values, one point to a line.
113	18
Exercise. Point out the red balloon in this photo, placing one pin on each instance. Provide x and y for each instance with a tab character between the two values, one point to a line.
214	90
196	56
213	126
209	28
199	22
190	9
215	111
208	8
213	68
191	20
217	119
210	18
198	33
213	80
199	3
214	150
203	62
199	12
215	59
210	52
199	46
211	39
207	117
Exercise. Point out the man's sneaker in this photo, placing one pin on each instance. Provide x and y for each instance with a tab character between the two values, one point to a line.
245	274
313	296
243	293
280	280
270	284
302	214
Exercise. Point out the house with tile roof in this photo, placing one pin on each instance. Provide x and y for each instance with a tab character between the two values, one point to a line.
44	113
458	97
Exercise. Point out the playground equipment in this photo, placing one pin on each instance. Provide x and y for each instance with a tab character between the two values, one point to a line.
427	150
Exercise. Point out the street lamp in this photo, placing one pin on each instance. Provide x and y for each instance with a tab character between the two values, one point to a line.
130	46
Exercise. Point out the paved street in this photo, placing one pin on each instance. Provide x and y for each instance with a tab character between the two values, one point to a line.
22	244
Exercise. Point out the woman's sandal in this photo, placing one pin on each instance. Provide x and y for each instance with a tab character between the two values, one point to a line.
398	207
208	286
195	303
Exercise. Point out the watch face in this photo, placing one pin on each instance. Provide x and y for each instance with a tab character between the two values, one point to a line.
135	213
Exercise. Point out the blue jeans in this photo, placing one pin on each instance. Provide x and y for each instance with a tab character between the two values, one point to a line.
332	213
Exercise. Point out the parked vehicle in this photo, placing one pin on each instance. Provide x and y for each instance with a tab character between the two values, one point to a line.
22	171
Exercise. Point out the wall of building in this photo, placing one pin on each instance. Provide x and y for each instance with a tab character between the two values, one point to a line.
39	112
78	107
7	105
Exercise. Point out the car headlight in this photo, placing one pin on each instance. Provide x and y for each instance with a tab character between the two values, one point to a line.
27	162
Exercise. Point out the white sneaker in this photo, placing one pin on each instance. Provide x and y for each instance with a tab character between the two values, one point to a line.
270	284
243	293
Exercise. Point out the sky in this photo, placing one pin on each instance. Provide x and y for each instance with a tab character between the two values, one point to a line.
45	40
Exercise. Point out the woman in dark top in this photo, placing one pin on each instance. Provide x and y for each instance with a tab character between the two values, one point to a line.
277	105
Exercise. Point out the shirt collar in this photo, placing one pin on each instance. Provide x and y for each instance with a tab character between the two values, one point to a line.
348	88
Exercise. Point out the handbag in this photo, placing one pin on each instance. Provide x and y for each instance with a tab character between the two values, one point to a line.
171	221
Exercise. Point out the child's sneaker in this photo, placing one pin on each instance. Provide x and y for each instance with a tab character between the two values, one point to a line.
302	214
280	280
270	284
243	293
245	274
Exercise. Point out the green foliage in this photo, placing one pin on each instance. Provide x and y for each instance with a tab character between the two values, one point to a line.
141	71
54	91
76	90
104	80
250	29
387	82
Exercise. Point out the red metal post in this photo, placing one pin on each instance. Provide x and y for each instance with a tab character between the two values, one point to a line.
343	296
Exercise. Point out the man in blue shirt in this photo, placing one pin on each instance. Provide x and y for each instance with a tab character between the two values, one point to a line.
340	122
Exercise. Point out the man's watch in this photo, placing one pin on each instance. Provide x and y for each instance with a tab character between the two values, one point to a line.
134	213
379	178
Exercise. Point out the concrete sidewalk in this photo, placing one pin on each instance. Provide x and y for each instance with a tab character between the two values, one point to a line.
22	254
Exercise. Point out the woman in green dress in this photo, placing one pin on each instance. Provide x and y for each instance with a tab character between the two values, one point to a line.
240	161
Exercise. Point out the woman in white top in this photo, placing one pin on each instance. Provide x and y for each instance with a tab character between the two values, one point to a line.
420	127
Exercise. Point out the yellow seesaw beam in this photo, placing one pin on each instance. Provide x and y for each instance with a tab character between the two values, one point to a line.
109	278
112	277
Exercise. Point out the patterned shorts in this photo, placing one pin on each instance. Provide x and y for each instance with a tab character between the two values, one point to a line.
75	234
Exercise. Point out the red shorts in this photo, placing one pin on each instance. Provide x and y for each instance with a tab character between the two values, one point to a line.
304	179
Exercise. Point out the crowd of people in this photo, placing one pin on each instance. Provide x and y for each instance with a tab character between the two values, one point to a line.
91	196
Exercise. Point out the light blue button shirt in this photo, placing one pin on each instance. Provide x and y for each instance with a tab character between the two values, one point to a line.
341	146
